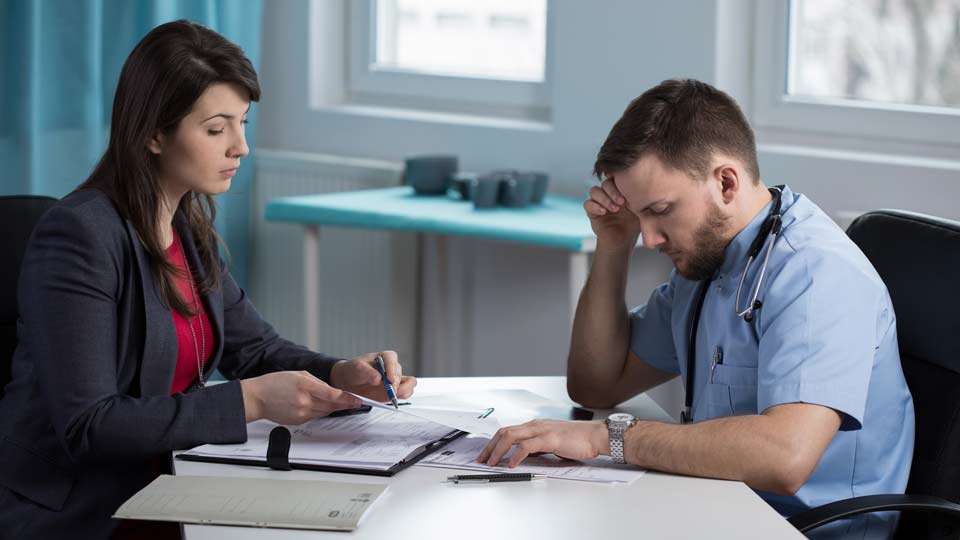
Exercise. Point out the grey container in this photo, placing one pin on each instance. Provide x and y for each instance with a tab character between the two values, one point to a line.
430	175
540	182
485	191
465	183
516	190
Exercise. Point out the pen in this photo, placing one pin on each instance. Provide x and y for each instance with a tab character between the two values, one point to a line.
717	359
487	478
386	382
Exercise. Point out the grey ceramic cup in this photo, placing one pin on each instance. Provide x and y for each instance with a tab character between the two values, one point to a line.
430	175
485	191
540	182
465	183
515	190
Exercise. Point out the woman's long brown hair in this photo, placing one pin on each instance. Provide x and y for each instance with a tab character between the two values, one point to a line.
160	81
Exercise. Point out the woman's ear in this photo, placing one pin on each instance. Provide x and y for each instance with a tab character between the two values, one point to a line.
155	143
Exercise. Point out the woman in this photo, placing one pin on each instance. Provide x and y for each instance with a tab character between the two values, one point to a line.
126	307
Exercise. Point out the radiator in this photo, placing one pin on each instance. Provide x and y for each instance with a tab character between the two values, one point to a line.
368	284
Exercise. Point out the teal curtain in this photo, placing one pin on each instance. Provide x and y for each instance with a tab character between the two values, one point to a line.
59	65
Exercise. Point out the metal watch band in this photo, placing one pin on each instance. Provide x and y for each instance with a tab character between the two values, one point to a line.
616	428
616	443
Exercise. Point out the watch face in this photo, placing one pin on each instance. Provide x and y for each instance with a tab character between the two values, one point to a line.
620	417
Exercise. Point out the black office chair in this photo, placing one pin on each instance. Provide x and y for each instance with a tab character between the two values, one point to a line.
18	215
918	258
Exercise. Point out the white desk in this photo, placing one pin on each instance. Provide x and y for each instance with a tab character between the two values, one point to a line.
420	505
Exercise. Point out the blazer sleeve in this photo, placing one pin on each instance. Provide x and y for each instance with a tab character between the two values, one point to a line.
252	347
68	297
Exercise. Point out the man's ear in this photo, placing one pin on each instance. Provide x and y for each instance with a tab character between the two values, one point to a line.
728	177
155	143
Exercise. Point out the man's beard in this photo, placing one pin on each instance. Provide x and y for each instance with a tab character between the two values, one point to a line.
710	244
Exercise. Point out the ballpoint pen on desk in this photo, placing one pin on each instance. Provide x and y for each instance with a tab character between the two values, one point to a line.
488	478
386	382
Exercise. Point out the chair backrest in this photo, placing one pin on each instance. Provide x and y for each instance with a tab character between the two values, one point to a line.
18	215
918	258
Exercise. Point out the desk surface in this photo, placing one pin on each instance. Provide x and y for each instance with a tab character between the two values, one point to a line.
419	504
559	222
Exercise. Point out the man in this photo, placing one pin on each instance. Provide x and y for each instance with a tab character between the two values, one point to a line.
796	390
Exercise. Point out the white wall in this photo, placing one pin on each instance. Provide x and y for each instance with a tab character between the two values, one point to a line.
509	319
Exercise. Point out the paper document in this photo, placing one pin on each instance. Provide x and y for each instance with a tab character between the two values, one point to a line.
462	454
464	420
511	406
254	502
377	440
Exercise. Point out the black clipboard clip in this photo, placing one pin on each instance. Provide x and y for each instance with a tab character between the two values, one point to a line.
278	449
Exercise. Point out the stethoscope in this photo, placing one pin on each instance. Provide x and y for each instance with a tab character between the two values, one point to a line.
769	230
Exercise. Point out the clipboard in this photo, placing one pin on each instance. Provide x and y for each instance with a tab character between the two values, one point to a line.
278	448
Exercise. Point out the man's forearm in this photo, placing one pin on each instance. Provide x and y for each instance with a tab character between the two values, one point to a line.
751	448
600	335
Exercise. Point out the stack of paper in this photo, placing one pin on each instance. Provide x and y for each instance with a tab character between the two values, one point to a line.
254	502
374	441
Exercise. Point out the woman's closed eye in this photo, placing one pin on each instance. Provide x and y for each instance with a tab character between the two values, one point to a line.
221	130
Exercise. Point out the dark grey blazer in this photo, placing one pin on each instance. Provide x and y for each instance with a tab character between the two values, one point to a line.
88	408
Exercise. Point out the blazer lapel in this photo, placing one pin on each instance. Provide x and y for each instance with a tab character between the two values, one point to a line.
212	302
160	335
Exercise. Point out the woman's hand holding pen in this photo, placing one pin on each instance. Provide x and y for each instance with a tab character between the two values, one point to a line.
360	376
292	397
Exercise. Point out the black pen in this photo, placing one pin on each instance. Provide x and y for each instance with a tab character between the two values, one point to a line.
488	478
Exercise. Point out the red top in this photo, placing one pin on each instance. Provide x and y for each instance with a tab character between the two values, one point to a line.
187	368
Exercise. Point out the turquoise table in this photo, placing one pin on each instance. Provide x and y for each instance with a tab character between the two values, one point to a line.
559	222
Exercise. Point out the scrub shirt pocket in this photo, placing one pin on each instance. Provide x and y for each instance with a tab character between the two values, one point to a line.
741	385
717	402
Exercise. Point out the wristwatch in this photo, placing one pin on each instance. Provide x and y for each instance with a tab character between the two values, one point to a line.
617	424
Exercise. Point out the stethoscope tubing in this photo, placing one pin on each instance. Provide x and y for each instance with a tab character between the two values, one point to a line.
767	235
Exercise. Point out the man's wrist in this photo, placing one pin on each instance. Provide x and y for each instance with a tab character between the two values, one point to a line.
609	248
601	438
631	438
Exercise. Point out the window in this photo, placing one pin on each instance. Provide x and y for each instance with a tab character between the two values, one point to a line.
491	39
892	51
488	56
870	68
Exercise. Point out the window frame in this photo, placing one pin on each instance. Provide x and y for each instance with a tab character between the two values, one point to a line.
774	108
371	84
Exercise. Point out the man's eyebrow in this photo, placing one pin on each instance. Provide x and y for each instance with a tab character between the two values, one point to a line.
225	115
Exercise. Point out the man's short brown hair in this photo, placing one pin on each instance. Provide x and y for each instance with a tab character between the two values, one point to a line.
683	122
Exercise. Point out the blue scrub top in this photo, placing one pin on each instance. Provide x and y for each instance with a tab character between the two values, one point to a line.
826	334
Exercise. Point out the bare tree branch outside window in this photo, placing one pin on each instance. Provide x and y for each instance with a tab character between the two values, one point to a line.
892	51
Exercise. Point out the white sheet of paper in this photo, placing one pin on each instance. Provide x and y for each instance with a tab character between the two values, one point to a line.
462	454
456	419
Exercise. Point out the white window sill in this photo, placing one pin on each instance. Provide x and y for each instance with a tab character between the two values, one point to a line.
437	117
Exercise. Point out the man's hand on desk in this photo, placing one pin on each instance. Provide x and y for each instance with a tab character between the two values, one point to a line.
291	397
360	376
564	438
